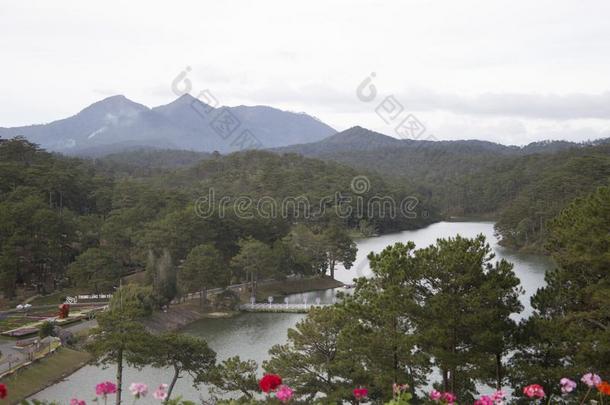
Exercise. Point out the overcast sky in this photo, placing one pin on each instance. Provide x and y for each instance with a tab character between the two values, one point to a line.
505	71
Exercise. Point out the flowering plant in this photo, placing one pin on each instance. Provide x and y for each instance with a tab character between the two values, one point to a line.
269	383
443	397
138	390
534	391
360	393
590	380
284	393
400	395
161	392
105	388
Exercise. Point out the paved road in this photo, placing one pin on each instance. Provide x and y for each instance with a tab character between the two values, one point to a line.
17	356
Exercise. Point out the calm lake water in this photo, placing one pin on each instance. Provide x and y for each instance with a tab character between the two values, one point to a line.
251	335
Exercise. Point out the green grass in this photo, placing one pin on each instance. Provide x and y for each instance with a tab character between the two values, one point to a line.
294	286
43	373
55	298
138	278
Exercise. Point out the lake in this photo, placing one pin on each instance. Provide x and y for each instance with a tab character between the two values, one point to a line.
251	335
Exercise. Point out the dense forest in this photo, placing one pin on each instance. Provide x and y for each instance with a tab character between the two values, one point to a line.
70	222
523	188
449	306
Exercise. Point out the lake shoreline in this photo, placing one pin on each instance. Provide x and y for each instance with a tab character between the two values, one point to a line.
251	335
177	317
41	374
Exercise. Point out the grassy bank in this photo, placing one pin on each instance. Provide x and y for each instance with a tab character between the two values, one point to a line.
294	286
44	373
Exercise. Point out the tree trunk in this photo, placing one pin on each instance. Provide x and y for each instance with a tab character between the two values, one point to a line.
445	380
332	269
498	371
452	379
171	385
119	376
395	349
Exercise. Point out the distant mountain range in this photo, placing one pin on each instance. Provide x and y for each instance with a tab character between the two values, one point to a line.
117	124
358	139
427	162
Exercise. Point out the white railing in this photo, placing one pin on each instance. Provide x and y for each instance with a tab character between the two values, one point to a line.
262	307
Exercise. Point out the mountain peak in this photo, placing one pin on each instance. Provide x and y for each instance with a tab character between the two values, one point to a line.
362	135
118	104
185	123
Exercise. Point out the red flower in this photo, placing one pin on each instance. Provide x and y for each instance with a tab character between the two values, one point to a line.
534	390
269	382
604	388
3	391
360	393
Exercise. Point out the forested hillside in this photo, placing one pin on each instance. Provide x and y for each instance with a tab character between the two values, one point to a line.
147	162
70	222
522	188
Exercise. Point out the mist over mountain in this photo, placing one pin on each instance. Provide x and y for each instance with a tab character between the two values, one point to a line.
117	123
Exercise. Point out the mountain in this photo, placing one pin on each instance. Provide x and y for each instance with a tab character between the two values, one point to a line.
358	139
116	123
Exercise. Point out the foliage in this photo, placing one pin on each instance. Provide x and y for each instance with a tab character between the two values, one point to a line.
381	334
233	375
203	268
446	305
316	359
96	268
183	353
119	336
570	329
46	329
474	299
339	248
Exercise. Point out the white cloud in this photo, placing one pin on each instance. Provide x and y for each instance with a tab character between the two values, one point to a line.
483	64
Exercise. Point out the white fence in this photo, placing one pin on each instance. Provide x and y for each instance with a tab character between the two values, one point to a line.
261	307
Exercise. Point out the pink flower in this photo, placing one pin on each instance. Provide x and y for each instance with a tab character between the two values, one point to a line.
567	385
138	390
398	388
360	393
75	401
484	400
534	391
105	388
591	380
161	392
498	397
449	397
284	393
435	395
